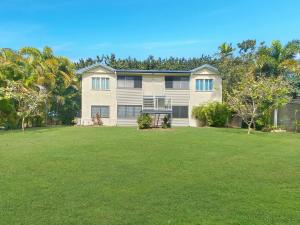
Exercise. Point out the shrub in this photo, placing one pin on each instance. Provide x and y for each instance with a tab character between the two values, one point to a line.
144	121
37	121
97	120
166	122
10	121
213	114
297	125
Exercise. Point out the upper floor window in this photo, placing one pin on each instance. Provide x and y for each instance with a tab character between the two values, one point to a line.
100	83
176	82
129	82
204	84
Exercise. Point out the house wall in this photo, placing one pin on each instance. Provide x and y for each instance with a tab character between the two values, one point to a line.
128	97
201	97
179	98
153	85
98	97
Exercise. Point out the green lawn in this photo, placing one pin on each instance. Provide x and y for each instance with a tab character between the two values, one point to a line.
117	176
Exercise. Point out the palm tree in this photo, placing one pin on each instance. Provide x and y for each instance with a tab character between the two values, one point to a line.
279	60
226	49
51	72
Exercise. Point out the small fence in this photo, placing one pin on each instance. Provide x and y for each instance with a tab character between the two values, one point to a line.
289	116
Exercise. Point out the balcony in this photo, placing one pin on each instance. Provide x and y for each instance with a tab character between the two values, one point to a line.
157	104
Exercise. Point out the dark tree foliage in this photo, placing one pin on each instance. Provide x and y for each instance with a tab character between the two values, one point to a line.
171	63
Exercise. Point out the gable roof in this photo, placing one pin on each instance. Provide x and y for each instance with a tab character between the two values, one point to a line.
205	66
88	68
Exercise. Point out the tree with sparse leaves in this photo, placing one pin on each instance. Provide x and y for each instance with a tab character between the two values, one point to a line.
252	97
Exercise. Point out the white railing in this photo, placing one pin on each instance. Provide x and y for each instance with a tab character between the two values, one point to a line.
157	103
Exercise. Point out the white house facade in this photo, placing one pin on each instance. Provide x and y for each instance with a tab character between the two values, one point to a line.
119	95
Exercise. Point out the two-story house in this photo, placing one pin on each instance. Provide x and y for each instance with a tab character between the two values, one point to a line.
119	95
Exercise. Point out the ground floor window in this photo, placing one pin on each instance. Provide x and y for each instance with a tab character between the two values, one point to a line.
180	111
102	110
129	111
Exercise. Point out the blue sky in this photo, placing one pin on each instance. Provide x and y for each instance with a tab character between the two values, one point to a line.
79	29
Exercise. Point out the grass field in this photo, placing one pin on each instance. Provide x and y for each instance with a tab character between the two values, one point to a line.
72	175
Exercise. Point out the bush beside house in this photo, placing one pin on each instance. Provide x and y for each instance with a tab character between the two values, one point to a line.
166	122
214	114
144	121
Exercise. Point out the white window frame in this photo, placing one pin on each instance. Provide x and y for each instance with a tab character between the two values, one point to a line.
204	85
101	80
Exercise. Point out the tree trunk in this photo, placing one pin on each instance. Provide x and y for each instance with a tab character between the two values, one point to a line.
296	121
56	107
275	118
23	123
46	113
249	127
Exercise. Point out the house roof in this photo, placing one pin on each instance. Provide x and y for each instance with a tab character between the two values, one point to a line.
205	66
153	71
88	68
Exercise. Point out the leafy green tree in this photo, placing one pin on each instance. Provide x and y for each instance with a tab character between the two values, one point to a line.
278	59
151	62
226	50
28	100
34	68
246	46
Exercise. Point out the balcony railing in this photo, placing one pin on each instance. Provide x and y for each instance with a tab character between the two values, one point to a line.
157	103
